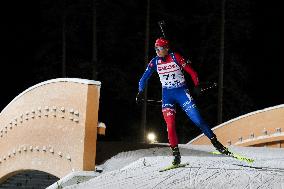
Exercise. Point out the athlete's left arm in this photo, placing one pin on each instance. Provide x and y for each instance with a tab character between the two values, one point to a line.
182	63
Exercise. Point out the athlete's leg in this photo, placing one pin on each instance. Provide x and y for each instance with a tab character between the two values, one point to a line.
169	112
169	116
188	105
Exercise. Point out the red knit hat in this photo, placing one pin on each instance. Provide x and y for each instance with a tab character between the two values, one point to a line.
162	42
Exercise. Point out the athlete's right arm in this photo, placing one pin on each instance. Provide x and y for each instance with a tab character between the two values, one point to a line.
147	74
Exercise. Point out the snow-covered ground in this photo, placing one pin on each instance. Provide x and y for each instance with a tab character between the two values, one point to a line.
140	169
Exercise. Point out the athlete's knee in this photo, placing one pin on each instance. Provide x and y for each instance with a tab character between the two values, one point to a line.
189	108
168	112
169	116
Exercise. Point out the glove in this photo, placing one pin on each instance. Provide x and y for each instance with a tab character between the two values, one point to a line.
139	97
197	91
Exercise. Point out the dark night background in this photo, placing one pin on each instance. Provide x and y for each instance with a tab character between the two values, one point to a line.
31	52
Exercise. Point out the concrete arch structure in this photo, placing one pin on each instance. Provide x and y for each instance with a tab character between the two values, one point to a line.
260	128
50	127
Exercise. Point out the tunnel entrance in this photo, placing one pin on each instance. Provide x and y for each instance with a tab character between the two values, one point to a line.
29	180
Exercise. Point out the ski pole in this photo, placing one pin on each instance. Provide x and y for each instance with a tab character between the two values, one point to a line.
162	25
210	87
152	100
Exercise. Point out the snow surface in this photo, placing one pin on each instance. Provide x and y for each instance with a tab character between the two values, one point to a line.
140	169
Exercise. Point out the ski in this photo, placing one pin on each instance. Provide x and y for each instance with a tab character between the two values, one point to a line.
174	167
236	156
262	168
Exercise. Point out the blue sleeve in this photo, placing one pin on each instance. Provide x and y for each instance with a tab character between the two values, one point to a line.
147	74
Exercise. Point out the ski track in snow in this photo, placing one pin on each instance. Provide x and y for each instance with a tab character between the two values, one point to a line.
140	170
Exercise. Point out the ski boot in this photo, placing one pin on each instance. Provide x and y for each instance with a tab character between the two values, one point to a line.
222	149
176	155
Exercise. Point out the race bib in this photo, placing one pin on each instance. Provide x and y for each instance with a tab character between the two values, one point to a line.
170	74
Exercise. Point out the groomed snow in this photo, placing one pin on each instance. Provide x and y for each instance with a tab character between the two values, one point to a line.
140	169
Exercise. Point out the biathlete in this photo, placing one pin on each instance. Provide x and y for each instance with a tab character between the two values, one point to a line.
169	66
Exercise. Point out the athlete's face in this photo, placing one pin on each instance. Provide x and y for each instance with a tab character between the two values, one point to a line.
161	51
